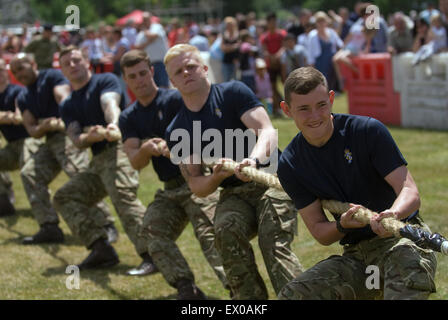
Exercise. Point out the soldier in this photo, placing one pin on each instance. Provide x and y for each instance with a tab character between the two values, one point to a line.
245	208
351	159
19	146
175	206
43	48
39	104
94	104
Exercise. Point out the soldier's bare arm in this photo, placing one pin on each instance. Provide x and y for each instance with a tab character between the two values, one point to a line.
110	104
35	129
82	140
200	184
140	152
61	92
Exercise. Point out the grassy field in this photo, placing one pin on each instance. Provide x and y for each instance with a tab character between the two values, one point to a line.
38	272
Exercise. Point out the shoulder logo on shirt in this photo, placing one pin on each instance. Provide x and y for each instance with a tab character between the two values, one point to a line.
218	112
160	114
348	156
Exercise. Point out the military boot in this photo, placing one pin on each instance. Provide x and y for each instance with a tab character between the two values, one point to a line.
6	206
187	290
103	255
146	268
48	233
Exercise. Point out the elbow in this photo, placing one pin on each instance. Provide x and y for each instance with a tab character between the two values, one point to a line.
324	242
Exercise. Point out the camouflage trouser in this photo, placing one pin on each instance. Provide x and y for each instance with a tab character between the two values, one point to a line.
110	173
406	272
166	218
13	156
57	153
242	213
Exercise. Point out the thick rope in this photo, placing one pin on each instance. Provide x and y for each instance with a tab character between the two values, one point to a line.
336	207
11	116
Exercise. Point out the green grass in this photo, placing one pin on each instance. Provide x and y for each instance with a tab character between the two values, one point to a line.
38	272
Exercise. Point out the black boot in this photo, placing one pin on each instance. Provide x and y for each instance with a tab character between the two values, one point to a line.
6	206
146	268
103	255
48	233
187	290
112	233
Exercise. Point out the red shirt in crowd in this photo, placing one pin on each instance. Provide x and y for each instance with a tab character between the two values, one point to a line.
273	41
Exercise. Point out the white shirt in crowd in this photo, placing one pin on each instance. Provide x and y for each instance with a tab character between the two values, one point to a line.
158	48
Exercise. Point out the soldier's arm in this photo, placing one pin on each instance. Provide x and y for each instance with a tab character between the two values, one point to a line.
35	129
61	92
140	152
110	104
200	184
83	140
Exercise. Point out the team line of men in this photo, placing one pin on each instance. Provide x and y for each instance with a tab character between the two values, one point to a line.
341	157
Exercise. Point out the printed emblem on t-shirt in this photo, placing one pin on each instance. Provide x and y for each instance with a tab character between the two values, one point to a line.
218	112
348	155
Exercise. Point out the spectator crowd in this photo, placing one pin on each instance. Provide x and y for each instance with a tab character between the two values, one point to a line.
259	52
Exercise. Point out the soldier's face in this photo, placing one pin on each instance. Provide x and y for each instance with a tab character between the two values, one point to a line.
74	66
139	79
312	114
24	71
187	73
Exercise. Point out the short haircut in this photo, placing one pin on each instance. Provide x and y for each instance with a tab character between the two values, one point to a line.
178	49
22	57
133	57
302	81
69	49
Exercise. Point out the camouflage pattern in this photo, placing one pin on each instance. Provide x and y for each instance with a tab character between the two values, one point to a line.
110	173
5	183
406	271
57	153
242	213
166	218
13	156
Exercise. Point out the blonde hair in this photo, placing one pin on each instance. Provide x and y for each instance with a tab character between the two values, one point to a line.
321	15
179	49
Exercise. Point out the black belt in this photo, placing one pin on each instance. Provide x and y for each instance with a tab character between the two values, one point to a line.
174	183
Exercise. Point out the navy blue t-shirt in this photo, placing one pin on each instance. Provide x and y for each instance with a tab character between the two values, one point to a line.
38	98
7	103
350	167
226	103
84	105
146	122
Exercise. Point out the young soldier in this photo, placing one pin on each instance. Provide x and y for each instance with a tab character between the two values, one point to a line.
39	104
351	159
19	147
245	208
94	104
175	206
